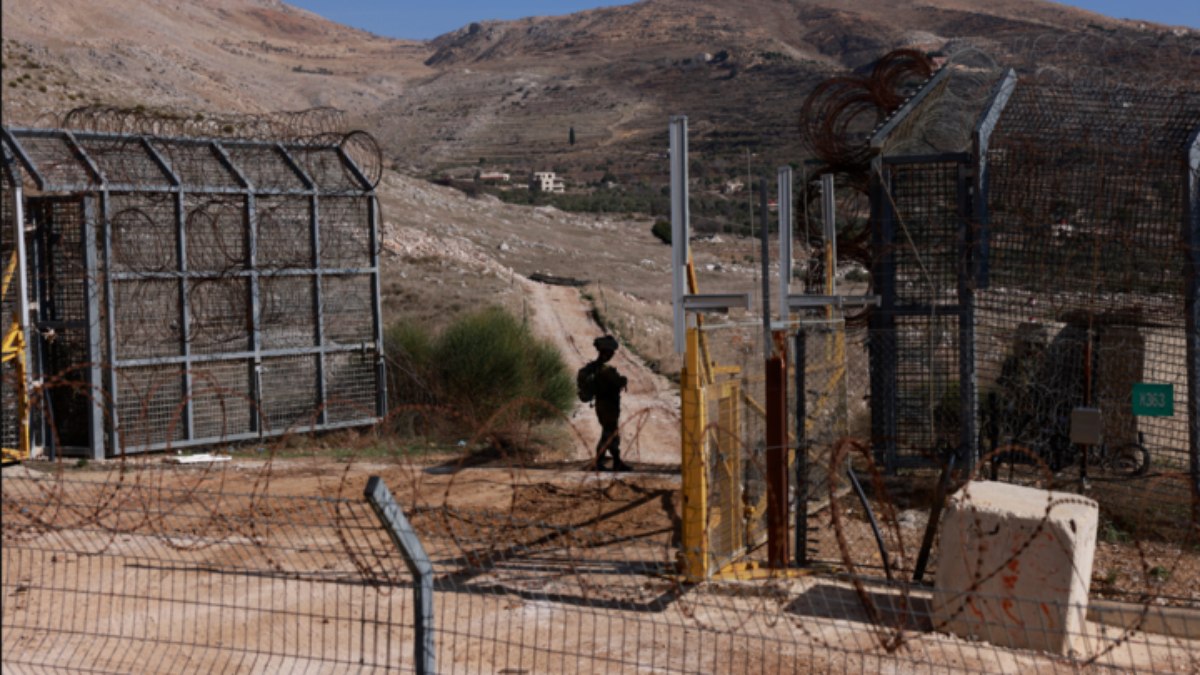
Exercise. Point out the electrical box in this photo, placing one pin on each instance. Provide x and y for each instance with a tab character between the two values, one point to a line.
1087	426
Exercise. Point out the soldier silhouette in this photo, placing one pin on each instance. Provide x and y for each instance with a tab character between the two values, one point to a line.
600	382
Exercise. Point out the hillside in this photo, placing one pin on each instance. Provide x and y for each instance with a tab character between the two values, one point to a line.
244	56
509	93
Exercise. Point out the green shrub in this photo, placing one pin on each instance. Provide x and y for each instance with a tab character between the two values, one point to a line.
488	361
662	230
408	348
486	370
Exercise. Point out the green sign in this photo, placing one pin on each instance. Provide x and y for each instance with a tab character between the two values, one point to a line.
1153	400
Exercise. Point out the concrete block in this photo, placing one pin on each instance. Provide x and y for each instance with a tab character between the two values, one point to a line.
1014	565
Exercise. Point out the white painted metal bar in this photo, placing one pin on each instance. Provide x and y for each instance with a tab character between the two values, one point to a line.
680	227
796	303
716	302
829	225
784	207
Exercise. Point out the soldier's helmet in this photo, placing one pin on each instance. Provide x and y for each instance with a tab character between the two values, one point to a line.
605	343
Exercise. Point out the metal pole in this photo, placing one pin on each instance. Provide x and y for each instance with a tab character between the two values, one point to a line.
258	415
110	329
829	223
776	376
92	317
784	198
777	477
679	226
801	360
882	345
25	427
1192	314
982	140
418	564
381	405
318	300
185	314
768	346
967	379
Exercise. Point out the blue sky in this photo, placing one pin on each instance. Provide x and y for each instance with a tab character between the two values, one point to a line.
422	19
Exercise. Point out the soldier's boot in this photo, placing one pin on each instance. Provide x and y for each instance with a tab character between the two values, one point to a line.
618	465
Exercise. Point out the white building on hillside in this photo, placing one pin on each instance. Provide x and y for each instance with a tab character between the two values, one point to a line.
547	181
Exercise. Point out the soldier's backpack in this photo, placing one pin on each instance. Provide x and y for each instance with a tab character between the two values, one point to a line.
585	382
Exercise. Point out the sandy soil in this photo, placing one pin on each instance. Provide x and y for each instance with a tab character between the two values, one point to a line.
538	571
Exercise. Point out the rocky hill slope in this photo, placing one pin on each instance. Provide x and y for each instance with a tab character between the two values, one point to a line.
510	93
246	56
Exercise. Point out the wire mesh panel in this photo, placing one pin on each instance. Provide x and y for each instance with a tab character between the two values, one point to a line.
927	245
142	233
922	259
222	398
215	230
285	222
287	312
828	352
347	312
267	168
150	405
10	386
56	160
197	164
125	160
218	315
1086	272
289	393
735	441
345	243
60	286
350	386
327	167
130	577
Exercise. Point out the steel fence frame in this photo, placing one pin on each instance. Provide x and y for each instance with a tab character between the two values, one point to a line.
319	175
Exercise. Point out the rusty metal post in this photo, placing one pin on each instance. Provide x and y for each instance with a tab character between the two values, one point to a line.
777	464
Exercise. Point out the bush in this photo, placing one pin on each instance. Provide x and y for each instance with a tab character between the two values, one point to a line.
662	230
485	367
408	348
489	361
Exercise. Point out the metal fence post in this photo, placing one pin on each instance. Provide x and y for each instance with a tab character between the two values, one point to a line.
801	492
1191	234
882	336
418	564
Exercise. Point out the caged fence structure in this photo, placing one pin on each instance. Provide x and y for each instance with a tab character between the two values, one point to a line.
1039	266
1034	250
1051	269
186	291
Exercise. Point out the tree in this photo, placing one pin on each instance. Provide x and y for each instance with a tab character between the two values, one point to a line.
571	136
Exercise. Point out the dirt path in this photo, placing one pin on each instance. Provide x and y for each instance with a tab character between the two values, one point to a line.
650	406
